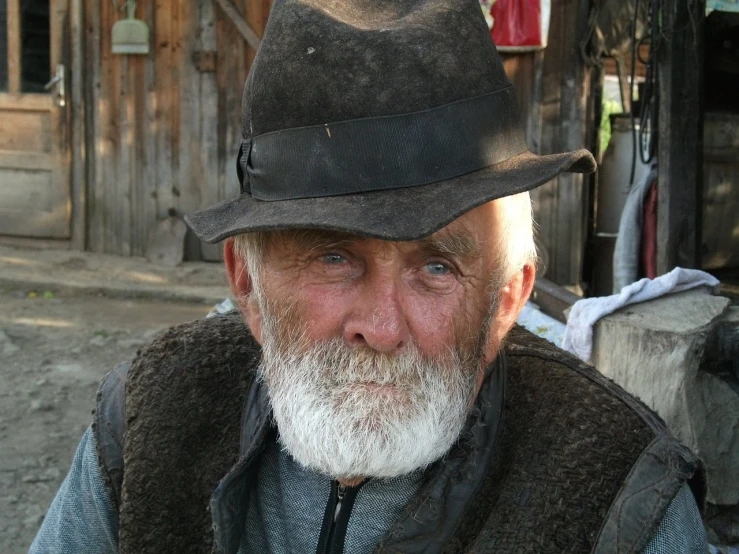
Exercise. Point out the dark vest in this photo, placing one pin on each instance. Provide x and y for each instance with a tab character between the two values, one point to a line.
554	458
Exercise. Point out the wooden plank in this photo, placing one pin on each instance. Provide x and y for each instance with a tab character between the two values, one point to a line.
25	131
121	191
24	192
59	116
256	14
680	149
655	350
35	244
545	198
31	224
30	102
115	193
14	45
534	115
166	102
553	299
106	143
720	246
210	192
93	135
572	202
78	183
143	192
189	170
242	26
552	86
13	159
231	71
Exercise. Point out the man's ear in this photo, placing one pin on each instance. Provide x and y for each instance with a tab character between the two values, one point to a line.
511	300
242	288
513	297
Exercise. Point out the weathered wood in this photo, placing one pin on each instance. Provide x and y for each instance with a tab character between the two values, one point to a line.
14	45
572	202
144	204
35	161
553	299
721	355
33	147
555	84
190	174
206	61
210	191
117	128
78	183
720	207
680	150
25	102
93	135
230	74
656	351
166	246
242	26
30	193
59	114
534	121
162	135
26	243
166	101
521	71
25	130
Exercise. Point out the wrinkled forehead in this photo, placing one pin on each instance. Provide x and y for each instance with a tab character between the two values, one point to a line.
469	235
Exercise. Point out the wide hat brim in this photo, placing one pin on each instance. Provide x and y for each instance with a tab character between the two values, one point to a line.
398	214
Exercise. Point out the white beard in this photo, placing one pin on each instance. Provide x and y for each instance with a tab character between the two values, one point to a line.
334	416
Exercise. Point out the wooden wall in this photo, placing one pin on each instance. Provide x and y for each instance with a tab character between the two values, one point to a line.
162	130
554	95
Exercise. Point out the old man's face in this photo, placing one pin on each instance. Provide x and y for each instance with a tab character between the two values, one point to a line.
374	350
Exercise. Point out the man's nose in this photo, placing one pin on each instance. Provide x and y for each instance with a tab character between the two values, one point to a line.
378	319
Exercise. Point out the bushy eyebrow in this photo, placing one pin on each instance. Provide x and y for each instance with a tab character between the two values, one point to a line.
457	244
308	240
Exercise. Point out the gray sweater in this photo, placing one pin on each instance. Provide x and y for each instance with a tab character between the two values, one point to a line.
286	513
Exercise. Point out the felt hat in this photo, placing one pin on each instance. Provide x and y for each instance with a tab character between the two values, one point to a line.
381	118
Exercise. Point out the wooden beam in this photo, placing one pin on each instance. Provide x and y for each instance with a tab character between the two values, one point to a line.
31	102
20	159
14	46
680	150
242	26
553	299
77	117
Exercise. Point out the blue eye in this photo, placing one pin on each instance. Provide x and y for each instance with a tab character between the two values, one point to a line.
332	259
437	268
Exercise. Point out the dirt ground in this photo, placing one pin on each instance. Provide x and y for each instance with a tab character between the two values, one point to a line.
54	349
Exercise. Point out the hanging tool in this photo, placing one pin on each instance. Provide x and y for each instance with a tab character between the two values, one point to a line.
130	35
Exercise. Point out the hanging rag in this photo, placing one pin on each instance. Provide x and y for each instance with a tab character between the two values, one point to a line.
627	251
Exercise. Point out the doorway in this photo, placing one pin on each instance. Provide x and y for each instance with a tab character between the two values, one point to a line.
34	167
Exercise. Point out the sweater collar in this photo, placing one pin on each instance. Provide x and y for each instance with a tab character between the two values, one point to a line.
429	519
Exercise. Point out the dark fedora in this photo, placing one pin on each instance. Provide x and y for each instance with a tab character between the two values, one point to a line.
382	118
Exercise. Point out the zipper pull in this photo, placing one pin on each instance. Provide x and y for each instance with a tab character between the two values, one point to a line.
339	498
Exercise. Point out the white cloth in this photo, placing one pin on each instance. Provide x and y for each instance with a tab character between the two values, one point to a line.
585	313
628	243
539	323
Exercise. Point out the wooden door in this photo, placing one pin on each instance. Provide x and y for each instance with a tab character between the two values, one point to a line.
34	169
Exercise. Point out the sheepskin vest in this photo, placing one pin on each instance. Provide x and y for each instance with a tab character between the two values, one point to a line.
555	457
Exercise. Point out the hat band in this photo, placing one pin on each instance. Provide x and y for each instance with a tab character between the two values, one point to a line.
381	153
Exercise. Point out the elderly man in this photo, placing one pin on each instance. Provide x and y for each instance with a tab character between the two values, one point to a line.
373	394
